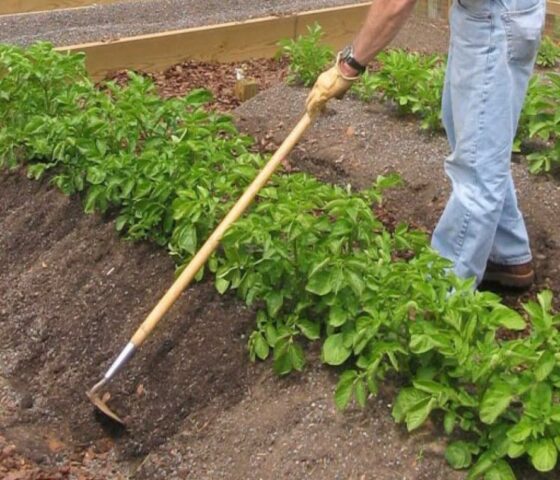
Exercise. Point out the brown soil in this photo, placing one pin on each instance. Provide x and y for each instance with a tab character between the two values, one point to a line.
73	292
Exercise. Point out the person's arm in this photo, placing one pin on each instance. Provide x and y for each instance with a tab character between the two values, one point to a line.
383	21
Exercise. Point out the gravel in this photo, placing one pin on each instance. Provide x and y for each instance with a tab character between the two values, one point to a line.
137	17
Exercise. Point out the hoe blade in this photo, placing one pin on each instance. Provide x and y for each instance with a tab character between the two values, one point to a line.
103	407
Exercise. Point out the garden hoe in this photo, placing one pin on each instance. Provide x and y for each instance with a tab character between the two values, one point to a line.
193	267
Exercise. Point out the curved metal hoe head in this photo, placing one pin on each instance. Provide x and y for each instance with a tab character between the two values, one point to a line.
101	405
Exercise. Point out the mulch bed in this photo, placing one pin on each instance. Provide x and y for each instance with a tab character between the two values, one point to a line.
219	78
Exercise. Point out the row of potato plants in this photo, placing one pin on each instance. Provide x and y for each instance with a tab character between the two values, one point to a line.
312	258
413	84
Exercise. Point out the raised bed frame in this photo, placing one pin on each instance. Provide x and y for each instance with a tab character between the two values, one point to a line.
14	7
236	41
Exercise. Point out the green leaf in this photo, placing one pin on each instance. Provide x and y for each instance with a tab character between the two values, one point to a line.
297	357
544	454
320	283
344	389
484	463
520	431
361	393
495	401
35	171
200	274
271	334
221	284
199	96
356	282
311	330
545	300
418	414
540	401
459	455
407	399
449	422
187	239
337	316
334	351
429	386
282	358
91	199
515	450
274	301
121	222
500	471
545	365
421	344
262	348
507	317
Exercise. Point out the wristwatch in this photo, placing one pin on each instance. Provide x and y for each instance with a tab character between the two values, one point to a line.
347	55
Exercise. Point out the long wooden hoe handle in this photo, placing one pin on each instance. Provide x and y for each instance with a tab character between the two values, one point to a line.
213	241
198	261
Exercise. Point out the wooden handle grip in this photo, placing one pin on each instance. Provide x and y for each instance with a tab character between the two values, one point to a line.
213	241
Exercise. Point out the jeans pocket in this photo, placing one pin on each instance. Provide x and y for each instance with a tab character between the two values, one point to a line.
524	29
475	8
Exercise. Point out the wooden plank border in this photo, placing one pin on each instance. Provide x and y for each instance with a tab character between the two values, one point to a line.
553	8
8	7
16	7
235	41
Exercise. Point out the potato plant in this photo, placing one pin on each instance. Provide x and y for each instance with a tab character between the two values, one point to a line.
549	53
312	258
413	84
307	56
541	120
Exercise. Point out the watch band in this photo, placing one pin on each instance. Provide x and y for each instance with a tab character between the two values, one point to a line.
348	56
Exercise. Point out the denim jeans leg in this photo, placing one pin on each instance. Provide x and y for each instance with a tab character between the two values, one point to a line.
511	242
492	50
477	112
523	21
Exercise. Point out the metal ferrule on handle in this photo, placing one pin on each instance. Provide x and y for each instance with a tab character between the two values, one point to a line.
120	361
123	358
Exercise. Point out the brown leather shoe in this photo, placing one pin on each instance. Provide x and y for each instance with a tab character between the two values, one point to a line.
511	276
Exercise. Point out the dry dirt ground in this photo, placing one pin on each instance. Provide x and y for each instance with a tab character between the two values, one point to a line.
73	292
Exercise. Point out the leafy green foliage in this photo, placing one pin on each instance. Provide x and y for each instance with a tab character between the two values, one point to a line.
540	120
413	83
366	87
312	258
549	53
308	58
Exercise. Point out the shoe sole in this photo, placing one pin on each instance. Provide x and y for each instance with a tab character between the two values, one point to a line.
510	280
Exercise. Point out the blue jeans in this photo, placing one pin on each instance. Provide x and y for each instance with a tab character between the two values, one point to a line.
492	52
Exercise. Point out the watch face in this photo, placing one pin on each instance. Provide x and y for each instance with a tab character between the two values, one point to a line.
348	56
347	52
